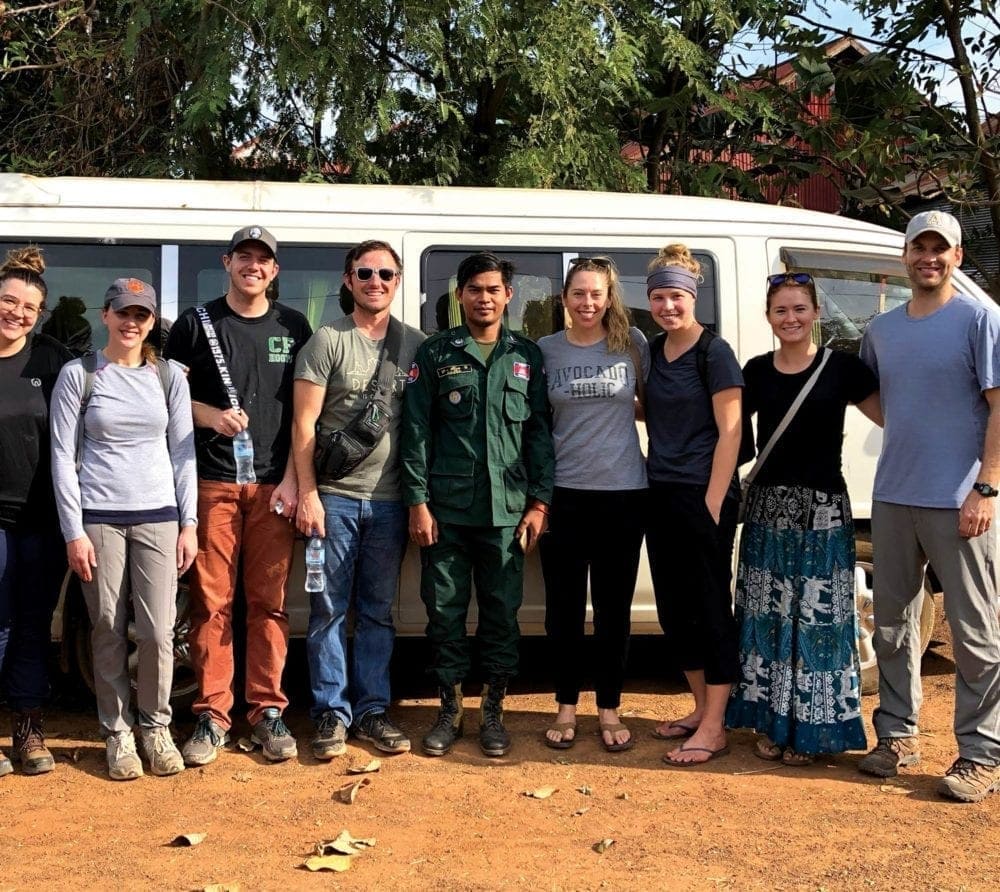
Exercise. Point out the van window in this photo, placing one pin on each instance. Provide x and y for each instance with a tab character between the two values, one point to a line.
534	310
632	274
852	289
308	279
77	276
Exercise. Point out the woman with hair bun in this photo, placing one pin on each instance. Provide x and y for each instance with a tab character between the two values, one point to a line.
31	554
123	463
693	420
594	369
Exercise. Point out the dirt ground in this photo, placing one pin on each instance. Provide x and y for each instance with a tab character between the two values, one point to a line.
463	821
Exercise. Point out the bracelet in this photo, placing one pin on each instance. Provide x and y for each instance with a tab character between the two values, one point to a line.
540	506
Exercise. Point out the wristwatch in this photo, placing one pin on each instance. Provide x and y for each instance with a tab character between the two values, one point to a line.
984	489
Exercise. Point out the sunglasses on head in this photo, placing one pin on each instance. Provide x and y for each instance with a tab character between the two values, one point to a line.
601	262
364	273
779	279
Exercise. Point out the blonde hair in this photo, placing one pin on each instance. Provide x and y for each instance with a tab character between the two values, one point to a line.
616	319
26	265
675	255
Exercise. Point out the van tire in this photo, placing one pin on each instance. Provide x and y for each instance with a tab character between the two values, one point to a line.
184	689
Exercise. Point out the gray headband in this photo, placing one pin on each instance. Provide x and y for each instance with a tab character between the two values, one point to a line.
672	277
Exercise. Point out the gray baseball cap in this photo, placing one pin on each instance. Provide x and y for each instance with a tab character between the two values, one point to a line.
253	234
944	224
130	293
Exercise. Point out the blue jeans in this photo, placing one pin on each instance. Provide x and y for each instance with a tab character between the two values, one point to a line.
365	543
32	566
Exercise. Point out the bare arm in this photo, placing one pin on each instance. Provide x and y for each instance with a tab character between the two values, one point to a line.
226	422
727	410
871	408
308	401
976	514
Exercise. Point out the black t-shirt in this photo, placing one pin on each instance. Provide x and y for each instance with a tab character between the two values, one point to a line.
260	355
808	453
26	381
680	418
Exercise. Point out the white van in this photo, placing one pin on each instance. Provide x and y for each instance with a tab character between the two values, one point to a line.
173	233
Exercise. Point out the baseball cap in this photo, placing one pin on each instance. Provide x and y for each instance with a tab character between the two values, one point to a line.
253	234
130	293
944	224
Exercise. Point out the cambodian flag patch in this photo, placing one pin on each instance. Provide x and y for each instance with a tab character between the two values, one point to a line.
414	373
522	370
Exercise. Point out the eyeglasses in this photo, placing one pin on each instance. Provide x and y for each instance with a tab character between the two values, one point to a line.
364	273
29	311
779	279
600	262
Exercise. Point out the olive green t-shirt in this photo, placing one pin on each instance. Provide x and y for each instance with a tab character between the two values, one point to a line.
341	359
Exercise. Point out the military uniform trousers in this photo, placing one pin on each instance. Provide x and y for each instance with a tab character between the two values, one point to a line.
490	558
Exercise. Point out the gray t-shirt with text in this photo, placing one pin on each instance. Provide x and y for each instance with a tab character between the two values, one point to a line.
592	394
342	360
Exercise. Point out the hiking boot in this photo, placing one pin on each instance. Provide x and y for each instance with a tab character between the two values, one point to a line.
447	727
493	737
205	742
161	751
890	754
29	743
331	737
969	781
272	735
5	764
377	729
123	760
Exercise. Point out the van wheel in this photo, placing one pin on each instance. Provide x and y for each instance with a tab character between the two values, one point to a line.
185	685
865	609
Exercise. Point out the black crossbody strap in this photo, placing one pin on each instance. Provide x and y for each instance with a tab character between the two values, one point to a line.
388	363
220	362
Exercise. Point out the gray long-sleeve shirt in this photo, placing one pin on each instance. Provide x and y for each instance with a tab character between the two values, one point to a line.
136	456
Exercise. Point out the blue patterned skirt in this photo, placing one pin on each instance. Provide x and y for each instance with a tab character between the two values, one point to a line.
801	678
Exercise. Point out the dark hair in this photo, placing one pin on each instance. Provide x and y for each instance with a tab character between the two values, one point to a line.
809	287
26	265
370	245
484	262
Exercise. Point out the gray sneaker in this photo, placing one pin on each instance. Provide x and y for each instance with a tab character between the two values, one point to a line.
969	781
377	728
890	754
204	744
123	760
331	737
271	734
161	751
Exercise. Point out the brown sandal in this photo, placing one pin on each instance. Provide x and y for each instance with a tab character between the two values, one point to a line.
766	749
796	760
565	742
612	729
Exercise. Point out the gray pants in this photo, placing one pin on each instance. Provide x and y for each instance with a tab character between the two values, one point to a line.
904	538
138	560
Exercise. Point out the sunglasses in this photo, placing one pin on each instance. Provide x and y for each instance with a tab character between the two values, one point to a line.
364	273
779	279
600	262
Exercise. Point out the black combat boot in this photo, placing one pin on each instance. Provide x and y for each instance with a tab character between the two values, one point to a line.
493	737
29	742
448	726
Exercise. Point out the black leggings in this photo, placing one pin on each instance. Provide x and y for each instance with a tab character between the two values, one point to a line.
690	559
599	532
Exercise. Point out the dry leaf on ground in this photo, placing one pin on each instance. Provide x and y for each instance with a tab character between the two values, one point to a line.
349	792
540	793
336	863
584	789
602	846
898	789
222	887
370	768
344	844
188	839
579	812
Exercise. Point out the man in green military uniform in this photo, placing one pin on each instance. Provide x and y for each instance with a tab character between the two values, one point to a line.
478	466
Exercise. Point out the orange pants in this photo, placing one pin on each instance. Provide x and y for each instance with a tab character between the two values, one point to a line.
235	520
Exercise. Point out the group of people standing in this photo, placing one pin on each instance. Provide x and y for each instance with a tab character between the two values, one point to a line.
478	444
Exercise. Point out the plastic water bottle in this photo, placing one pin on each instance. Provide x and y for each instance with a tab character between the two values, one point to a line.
315	578
243	453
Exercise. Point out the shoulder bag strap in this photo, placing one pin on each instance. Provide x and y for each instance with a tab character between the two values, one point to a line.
220	362
389	359
89	363
640	381
789	415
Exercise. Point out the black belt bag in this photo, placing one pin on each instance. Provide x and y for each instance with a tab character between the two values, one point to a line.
339	452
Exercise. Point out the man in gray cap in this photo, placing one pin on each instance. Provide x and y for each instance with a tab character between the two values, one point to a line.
241	350
938	362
